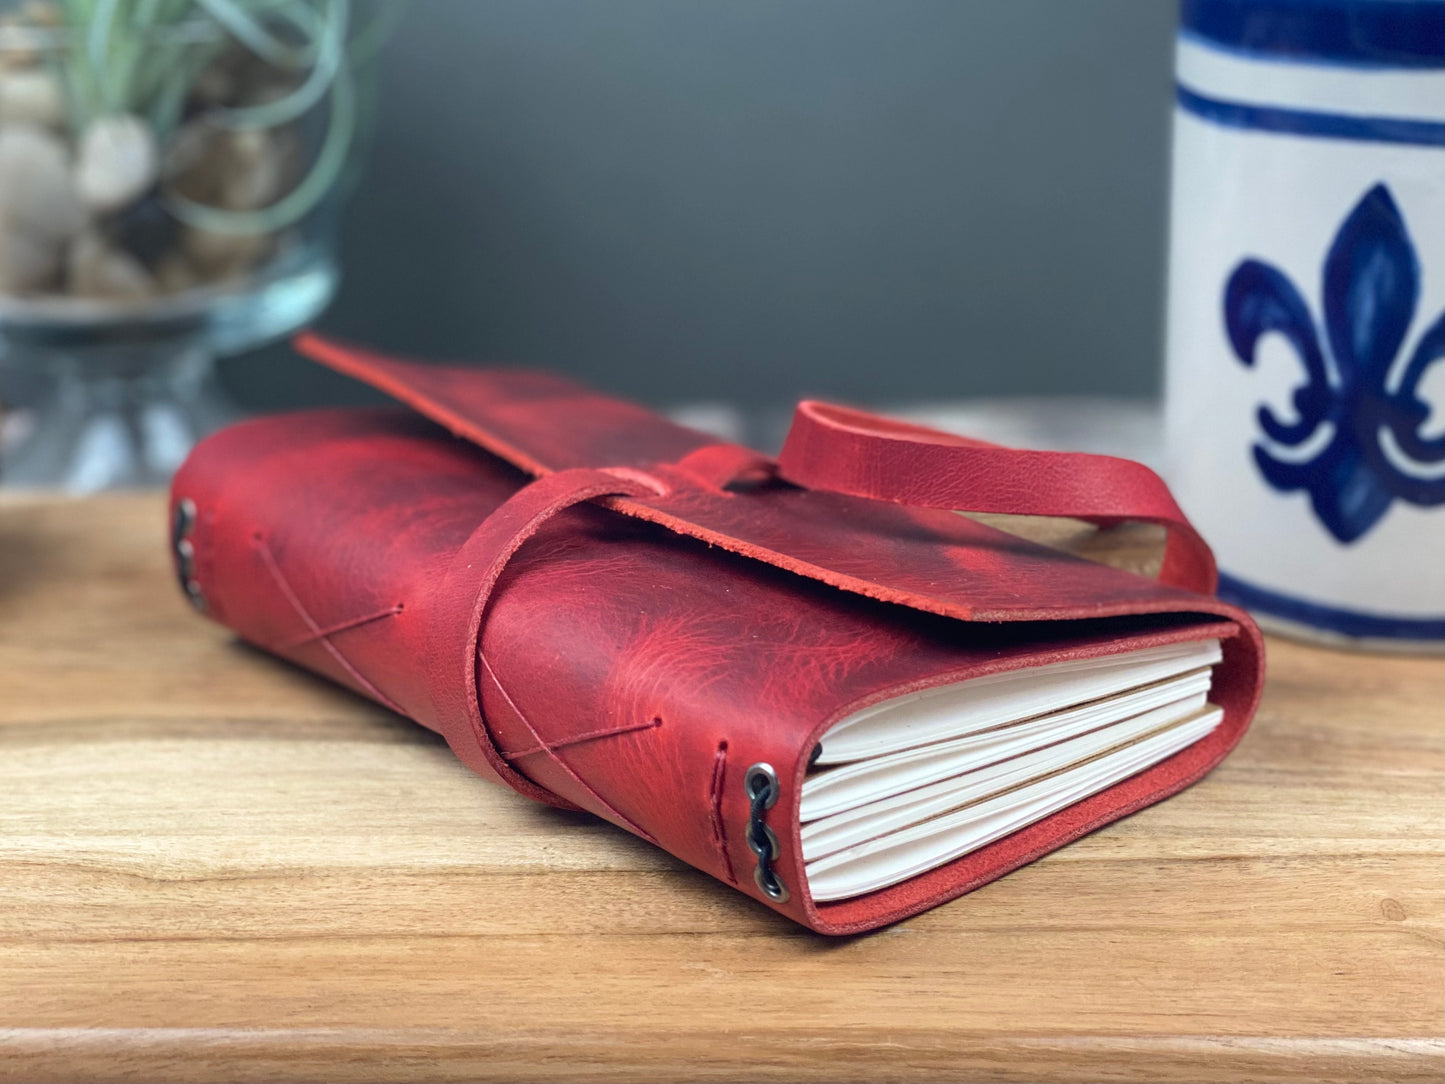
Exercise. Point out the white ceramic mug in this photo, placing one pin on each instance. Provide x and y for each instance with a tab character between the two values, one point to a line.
1306	349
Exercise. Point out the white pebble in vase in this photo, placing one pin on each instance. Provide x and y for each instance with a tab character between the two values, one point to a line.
96	270
31	96
224	255
117	162
36	191
27	263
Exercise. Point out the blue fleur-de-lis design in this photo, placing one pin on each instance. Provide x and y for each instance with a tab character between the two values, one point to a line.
1371	286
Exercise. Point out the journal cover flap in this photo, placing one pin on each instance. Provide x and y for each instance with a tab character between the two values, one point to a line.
927	558
536	421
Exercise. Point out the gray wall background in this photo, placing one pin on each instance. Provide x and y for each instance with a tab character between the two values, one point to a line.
747	200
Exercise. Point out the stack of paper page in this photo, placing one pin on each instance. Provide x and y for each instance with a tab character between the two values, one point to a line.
917	781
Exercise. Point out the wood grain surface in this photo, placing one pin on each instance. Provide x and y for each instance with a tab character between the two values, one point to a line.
216	867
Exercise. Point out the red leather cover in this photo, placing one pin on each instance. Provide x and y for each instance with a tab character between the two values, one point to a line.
607	611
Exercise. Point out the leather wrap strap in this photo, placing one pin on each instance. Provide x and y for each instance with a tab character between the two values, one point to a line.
461	605
865	455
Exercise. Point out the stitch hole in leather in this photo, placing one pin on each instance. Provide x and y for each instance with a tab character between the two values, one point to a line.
770	883
761	784
715	803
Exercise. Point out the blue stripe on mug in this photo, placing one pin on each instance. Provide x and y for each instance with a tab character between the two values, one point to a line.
1269	118
1332	618
1372	33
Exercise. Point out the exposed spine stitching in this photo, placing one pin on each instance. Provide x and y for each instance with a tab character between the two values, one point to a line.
578	739
341	626
548	749
317	632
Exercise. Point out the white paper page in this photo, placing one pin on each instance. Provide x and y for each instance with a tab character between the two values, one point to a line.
849	786
983	703
891	859
833	834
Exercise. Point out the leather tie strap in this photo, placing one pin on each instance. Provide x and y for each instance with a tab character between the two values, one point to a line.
865	455
459	610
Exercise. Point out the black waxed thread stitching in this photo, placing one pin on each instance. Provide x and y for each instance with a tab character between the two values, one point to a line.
760	840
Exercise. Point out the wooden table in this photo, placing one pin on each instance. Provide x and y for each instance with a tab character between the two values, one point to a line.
213	866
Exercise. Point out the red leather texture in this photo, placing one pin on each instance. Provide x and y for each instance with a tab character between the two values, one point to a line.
607	611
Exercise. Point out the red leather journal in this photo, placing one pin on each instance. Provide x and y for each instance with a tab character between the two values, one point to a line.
606	611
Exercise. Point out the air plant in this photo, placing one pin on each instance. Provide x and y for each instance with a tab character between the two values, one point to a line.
153	88
142	57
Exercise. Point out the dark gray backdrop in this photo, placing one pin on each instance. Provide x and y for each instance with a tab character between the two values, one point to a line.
872	199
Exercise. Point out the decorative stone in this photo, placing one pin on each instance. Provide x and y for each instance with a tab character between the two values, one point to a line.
18	32
95	269
236	170
238	77
15	49
28	264
258	172
224	255
36	190
117	161
31	96
174	274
